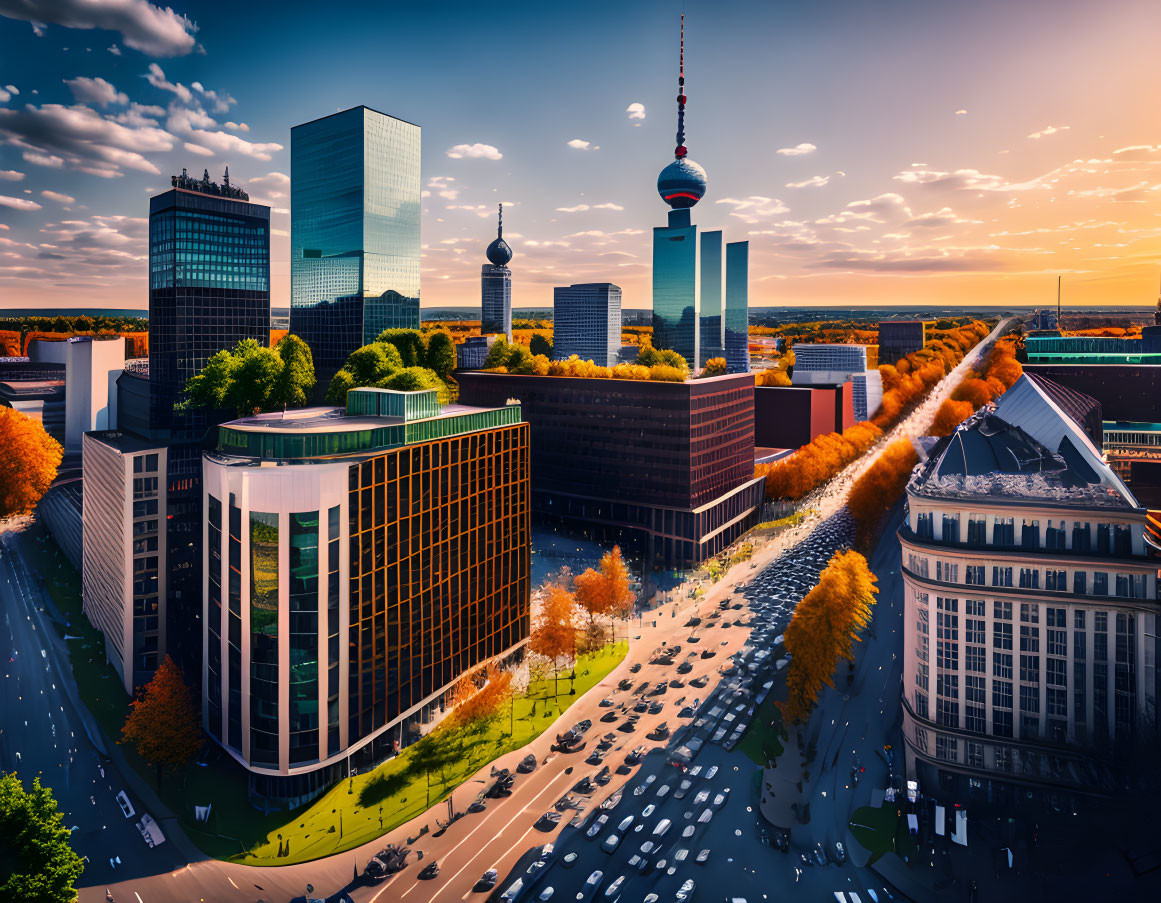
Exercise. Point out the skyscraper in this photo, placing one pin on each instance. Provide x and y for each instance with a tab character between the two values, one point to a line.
586	321
496	286
354	232
687	273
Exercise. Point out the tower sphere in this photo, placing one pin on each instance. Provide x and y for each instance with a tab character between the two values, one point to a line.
499	253
682	183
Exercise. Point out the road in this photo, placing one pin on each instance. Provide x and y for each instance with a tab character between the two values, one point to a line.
42	733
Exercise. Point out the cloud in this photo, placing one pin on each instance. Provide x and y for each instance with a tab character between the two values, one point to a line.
961	112
798	150
474	151
197	127
58	197
271	187
812	182
581	208
10	175
883	205
755	208
971	179
1139	152
54	135
1049	130
5	95
95	91
608	206
18	203
943	217
1135	194
145	27
579	144
636	110
198	149
237	126
156	77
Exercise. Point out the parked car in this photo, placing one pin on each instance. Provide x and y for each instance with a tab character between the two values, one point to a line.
592	884
610	717
611	842
702	856
840	854
487	881
595	828
819	854
685	892
527	764
430	871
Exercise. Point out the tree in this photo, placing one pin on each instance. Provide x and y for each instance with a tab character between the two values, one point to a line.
950	415
649	356
473	702
441	354
28	464
554	636
366	366
36	862
297	379
540	344
253	377
412	379
875	491
497	354
715	366
605	592
823	629
163	722
408	342
430	753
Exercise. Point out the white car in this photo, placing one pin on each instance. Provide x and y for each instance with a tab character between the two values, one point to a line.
662	791
685	892
546	894
688	832
624	825
680	855
648	810
662	827
513	891
705	817
695	771
648	847
701	797
719	800
591	884
595	828
610	843
709	775
615	888
704	855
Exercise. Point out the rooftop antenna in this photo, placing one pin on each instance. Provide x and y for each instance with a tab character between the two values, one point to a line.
1058	279
680	151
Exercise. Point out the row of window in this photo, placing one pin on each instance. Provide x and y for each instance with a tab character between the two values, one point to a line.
1081	537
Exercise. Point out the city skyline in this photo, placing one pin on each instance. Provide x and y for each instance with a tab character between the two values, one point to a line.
855	181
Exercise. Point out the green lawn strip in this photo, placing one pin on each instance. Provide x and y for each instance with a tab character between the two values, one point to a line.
337	821
762	740
881	830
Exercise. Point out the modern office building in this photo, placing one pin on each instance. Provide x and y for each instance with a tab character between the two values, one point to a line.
472	352
1133	451
209	281
832	365
92	366
496	286
1031	603
354	232
1095	349
687	269
791	416
586	321
899	338
666	468
358	563
124	578
868	393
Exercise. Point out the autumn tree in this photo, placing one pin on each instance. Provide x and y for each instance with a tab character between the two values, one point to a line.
37	865
554	636
604	591
773	376
817	462
950	415
877	489
715	366
476	702
163	722
29	462
824	628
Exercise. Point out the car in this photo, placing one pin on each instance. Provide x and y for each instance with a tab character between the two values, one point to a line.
595	828
662	826
527	764
684	668
625	684
694	639
713	770
702	796
699	682
594	758
660	689
606	703
639	862
569	860
682	789
782	839
624	825
687	831
513	892
656	707
648	847
635	756
533	871
375	870
720	799
487	881
581	727
547	893
641	707
611	842
612	801
610	717
635	667
702	856
614	889
478	806
584	786
592	883
602	776
687	712
628	726
685	892
705	816
648	810
661	732
547	821
819	854
840	853
676	684
126	807
430	871
708	653
641	788
806	859
662	791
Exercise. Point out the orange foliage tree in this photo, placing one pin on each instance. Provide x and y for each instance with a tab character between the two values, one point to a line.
28	464
554	636
771	377
875	491
604	591
818	461
476	706
998	372
824	628
163	723
715	366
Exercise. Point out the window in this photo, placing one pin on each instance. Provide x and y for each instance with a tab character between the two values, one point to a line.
1030	669
1056	580
1001	727
1002	610
975	689
1054	536
1078	619
1004	532
947	571
975	659
1057	642
1103	539
921	705
975	719
1122	541
946	712
975	575
947	655
974	754
1002	694
946	748
1079	641
924	525
1029	614
1081	538
1029	578
1001	636
1054	672
917	564
947	685
1122	584
977	531
974	630
1079	583
951	528
1030	534
1100	584
1002	665
921	675
1029	638
1002	757
1055	617
1001	576
975	607
1030	699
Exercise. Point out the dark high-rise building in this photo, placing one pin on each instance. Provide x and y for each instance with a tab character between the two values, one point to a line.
586	321
737	343
354	232
899	338
358	563
209	281
496	286
665	467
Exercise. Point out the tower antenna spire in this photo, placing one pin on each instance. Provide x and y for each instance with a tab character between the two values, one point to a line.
500	224
680	151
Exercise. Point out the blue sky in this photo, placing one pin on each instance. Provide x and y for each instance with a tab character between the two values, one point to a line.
897	152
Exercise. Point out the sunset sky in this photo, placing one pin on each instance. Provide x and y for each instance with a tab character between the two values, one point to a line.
873	153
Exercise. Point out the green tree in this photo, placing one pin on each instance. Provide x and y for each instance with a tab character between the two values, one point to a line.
367	366
297	379
430	753
163	722
540	344
253	377
409	343
412	379
497	354
441	354
649	356
36	862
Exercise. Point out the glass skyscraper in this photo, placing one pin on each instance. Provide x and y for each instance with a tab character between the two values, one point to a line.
737	340
586	321
354	232
711	297
496	286
676	286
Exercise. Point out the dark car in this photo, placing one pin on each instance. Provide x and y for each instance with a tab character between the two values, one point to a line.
547	821
429	871
487	882
375	870
527	764
628	726
656	708
684	668
594	758
584	786
699	682
676	684
625	684
610	717
606	703
635	667
478	806
642	706
708	653
661	732
602	777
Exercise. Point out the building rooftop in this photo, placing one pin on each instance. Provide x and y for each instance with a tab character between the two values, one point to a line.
126	443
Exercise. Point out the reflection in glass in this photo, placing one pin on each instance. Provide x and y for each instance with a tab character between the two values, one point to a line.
675	286
303	637
263	638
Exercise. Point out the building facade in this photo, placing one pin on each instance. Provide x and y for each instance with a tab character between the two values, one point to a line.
711	338
677	287
1031	602
124	577
899	338
666	468
791	416
737	325
92	366
472	352
496	286
354	232
827	365
868	393
358	563
586	321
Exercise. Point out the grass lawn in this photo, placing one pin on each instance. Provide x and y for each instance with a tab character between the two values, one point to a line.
881	831
393	796
236	828
763	738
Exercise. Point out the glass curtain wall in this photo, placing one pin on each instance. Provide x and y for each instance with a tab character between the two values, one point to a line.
263	639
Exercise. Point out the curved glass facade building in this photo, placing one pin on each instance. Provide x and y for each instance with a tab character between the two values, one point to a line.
354	232
677	286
